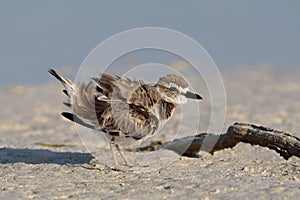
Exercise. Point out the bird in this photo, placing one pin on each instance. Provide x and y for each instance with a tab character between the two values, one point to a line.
126	110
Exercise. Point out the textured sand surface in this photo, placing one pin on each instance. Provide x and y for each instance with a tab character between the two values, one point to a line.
30	115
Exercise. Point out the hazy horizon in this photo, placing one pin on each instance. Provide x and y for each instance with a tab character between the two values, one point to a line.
38	35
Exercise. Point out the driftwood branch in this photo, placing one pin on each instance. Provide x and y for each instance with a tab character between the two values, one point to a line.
283	143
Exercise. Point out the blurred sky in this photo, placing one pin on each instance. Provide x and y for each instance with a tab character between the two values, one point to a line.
36	35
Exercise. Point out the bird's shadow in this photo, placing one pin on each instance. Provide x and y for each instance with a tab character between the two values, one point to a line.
42	156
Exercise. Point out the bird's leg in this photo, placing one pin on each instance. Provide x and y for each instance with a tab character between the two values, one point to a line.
123	156
112	144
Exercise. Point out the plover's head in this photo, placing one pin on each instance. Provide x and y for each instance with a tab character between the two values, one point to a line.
175	89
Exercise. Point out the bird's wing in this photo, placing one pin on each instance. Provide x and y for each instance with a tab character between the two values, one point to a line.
131	120
117	88
130	110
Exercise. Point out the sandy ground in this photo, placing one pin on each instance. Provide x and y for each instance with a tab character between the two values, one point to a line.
30	115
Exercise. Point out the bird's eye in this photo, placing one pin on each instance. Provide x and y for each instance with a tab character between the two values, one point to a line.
173	89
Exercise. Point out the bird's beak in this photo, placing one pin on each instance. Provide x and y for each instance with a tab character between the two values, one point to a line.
191	95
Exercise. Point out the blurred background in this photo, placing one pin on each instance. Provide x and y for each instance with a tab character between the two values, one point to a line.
36	35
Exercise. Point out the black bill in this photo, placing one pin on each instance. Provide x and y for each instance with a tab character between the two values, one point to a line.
191	95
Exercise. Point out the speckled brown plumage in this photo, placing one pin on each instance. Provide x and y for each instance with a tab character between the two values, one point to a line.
122	107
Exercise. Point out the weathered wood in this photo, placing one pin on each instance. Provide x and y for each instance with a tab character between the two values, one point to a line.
204	142
283	143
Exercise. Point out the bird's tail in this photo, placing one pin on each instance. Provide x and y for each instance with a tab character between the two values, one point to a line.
81	100
68	84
